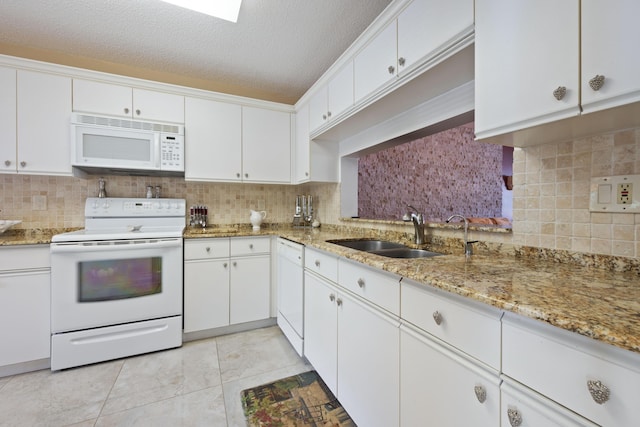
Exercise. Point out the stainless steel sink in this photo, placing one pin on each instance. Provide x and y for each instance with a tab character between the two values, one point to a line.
385	248
368	245
405	253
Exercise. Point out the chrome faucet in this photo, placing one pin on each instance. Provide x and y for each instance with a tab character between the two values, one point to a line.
468	246
418	224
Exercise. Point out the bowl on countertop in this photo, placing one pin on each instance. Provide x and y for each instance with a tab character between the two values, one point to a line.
6	224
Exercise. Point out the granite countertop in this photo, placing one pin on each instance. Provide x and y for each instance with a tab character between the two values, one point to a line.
597	303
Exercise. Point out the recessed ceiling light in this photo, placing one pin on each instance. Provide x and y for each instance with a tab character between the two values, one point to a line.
223	9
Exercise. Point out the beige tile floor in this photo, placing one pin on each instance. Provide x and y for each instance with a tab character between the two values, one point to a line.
198	384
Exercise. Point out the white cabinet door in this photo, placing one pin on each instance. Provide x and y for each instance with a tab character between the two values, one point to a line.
102	98
610	34
318	109
426	27
25	329
213	140
444	387
250	289
368	363
340	91
158	106
8	120
266	145
524	51
123	101
376	64
43	117
301	167
206	294
321	329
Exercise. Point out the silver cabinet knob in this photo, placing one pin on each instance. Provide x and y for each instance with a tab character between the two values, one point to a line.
225	265
560	92
251	246
481	393
137	112
339	301
126	110
324	117
23	163
437	317
235	264
515	417
208	249
599	392
328	113
317	263
401	61
7	162
391	69
238	175
361	282
332	297
306	174
597	82
246	175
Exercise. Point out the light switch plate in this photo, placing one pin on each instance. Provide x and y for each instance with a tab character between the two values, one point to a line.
615	194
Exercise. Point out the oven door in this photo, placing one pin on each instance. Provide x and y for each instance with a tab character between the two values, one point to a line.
104	283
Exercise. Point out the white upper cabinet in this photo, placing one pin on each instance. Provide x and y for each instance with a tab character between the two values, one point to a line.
122	101
8	120
332	100
427	27
314	161
213	140
376	64
527	63
301	167
610	33
43	117
266	145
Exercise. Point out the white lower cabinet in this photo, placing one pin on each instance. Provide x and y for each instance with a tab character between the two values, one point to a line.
226	283
442	387
25	328
522	407
352	344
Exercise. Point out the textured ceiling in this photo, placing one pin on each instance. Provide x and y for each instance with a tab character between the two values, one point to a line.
276	51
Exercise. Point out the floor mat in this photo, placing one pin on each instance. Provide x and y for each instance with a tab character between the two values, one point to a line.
299	400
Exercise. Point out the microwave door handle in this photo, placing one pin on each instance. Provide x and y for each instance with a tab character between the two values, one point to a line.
157	152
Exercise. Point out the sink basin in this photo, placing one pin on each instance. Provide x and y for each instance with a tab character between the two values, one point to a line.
405	253
385	248
368	245
6	224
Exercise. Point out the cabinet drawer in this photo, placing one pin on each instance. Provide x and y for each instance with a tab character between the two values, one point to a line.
206	248
559	364
250	245
378	288
322	263
473	328
24	257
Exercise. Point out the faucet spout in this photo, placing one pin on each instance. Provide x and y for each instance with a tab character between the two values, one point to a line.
418	225
468	248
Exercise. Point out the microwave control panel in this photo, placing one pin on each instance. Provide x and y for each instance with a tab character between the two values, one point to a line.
172	152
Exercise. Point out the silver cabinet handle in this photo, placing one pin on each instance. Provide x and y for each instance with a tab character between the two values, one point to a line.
126	110
208	249
246	175
238	175
515	417
137	112
7	162
401	61
332	297
23	163
328	113
599	392
560	92
339	301
361	282
225	265
324	117
317	263
481	393
251	246
437	317
235	264
391	69
597	82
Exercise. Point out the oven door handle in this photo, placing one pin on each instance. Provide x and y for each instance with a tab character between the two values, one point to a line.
109	246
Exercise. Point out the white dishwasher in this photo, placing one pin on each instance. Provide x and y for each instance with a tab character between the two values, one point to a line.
291	292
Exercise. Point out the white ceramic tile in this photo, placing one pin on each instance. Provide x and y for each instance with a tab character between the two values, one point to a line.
57	398
157	376
254	352
200	408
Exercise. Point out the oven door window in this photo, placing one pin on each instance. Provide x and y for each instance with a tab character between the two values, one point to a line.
119	279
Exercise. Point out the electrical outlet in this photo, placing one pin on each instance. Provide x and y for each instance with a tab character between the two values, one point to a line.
615	194
625	191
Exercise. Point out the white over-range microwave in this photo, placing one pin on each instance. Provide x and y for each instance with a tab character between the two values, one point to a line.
121	146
